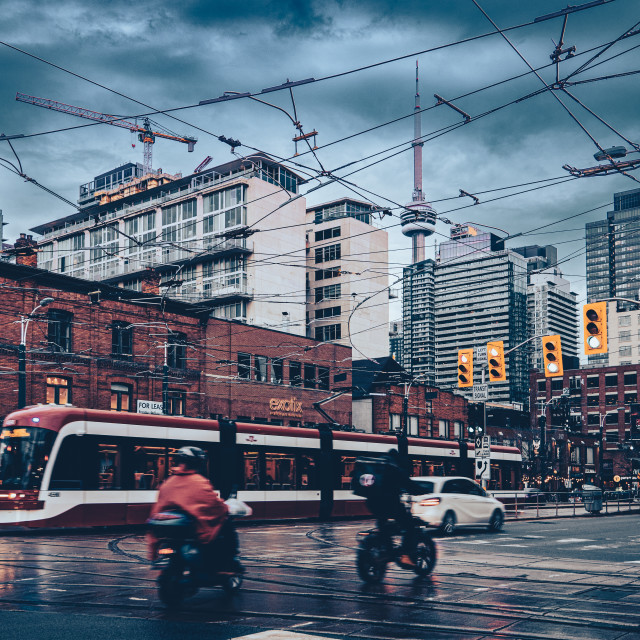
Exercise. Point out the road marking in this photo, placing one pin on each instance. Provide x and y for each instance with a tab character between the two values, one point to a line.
277	634
139	599
520	546
481	589
61	590
574	540
596	546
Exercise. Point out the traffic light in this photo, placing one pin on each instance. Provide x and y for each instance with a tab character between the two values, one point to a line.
465	368
594	316
634	419
497	368
552	356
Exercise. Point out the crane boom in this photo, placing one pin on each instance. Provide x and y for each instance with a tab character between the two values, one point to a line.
146	134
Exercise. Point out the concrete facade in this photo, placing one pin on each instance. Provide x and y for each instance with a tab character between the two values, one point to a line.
347	264
230	235
623	334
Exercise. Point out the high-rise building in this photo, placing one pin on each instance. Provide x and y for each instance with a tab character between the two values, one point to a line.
395	341
613	251
613	256
551	305
215	236
418	320
347	277
480	296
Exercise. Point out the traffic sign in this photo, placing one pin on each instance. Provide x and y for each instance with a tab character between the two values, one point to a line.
483	469
480	391
478	443
485	451
481	354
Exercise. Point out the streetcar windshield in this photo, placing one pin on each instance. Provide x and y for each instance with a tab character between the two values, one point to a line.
24	452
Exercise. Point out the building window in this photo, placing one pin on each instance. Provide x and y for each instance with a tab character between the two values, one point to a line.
593	419
328	312
324	378
624	351
443	428
330	292
542	386
611	380
593	382
295	374
327	234
457	429
589	455
412	425
328	253
176	403
557	384
310	376
611	418
244	366
58	390
630	379
59	330
261	368
177	350
121	340
276	371
325	274
593	401
394	422
624	321
120	397
328	332
624	336
612	436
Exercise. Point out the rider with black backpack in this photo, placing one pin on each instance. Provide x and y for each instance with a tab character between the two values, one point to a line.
382	481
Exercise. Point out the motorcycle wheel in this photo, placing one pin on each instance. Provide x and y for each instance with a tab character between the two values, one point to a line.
171	589
370	562
424	555
232	584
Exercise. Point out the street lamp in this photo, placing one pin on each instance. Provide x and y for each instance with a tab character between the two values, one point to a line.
405	402
22	350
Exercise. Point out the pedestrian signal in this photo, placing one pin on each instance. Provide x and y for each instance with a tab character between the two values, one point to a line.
595	327
552	356
497	368
465	368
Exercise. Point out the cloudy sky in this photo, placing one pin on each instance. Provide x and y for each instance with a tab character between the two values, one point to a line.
168	55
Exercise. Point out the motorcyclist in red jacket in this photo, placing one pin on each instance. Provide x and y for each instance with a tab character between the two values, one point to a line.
189	491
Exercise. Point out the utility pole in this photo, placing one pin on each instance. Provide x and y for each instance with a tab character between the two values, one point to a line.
165	381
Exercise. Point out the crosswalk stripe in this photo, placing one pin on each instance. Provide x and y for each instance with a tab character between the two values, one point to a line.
278	634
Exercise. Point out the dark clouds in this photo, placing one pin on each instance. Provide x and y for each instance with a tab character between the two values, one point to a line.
168	54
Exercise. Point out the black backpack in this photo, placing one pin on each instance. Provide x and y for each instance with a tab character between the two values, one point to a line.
370	477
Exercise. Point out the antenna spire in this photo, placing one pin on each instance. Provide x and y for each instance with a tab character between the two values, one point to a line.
417	144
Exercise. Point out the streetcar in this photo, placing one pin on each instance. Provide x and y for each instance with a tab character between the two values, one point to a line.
64	466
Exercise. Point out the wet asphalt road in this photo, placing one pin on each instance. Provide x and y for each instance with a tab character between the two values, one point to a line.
557	578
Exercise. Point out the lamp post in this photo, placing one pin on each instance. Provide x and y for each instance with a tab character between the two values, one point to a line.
405	402
22	351
601	443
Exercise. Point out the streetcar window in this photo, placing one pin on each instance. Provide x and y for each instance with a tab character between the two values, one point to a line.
307	472
109	466
149	466
24	452
251	464
69	468
280	471
345	469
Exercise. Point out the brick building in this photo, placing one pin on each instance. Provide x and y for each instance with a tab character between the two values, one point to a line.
597	410
99	346
378	404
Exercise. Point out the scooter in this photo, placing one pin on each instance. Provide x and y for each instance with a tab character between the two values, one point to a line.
379	548
181	562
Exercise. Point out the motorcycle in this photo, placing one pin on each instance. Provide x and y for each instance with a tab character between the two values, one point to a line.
184	565
379	548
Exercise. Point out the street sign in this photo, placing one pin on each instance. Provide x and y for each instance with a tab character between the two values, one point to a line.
478	443
485	451
481	354
480	391
483	469
149	406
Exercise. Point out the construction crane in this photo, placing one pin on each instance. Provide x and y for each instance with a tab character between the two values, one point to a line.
146	134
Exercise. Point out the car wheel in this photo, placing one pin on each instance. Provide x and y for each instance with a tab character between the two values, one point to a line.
496	522
448	525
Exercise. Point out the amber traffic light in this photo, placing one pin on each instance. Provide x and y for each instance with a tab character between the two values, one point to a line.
594	316
495	355
465	368
552	356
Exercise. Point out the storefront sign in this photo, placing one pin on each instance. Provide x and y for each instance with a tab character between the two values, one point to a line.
288	408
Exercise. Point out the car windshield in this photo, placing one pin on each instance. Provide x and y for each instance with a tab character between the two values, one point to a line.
24	452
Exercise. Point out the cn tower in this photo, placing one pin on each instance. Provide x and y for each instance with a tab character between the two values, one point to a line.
419	217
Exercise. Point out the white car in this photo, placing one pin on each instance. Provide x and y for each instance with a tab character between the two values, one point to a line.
451	502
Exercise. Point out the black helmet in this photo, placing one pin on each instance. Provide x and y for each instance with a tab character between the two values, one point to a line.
193	457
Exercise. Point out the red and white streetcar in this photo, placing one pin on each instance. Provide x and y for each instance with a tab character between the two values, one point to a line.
65	466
